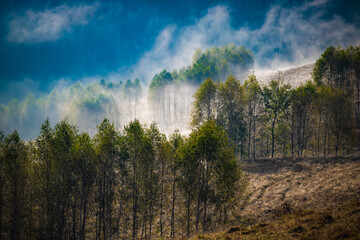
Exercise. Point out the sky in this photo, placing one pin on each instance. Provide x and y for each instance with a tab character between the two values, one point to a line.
51	44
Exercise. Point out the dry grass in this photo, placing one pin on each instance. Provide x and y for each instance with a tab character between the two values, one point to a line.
299	199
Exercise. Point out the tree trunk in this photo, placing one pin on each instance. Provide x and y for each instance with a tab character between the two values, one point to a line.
272	139
188	205
172	221
249	136
134	206
254	131
205	202
161	201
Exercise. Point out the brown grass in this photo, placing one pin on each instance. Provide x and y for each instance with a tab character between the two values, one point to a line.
316	198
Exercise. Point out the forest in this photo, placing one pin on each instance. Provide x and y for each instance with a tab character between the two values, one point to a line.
136	182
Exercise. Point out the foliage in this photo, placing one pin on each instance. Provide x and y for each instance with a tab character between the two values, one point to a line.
216	63
205	102
276	99
340	69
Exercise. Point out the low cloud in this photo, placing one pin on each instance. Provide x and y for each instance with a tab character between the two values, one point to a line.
48	25
288	37
174	47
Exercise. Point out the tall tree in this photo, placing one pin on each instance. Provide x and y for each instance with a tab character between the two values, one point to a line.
303	99
276	98
339	68
253	98
106	141
231	101
2	184
176	142
342	119
84	170
141	166
46	189
15	167
206	157
63	141
205	105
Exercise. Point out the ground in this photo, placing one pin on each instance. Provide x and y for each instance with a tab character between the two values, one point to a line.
309	198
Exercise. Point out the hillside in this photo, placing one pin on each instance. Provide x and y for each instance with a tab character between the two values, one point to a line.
299	199
294	75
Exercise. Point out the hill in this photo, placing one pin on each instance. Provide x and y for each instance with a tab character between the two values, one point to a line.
294	75
315	198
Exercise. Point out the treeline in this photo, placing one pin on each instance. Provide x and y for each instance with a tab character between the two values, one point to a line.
318	118
169	92
340	69
216	63
137	184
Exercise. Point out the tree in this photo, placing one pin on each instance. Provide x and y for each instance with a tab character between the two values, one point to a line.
231	116
160	80
339	69
303	99
217	63
2	183
158	169
276	98
189	170
204	106
45	169
342	118
354	54
253	97
176	142
15	169
141	166
106	141
63	141
205	159
84	169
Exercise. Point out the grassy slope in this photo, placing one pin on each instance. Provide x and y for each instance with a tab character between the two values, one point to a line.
316	198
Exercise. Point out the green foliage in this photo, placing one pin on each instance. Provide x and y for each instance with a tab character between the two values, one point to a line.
304	98
231	112
252	92
204	103
331	67
276	99
209	171
340	69
161	79
252	88
342	122
216	63
14	179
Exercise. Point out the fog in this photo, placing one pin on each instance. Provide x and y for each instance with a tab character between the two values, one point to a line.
289	36
86	105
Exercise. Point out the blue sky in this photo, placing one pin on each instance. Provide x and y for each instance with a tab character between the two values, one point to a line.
47	44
